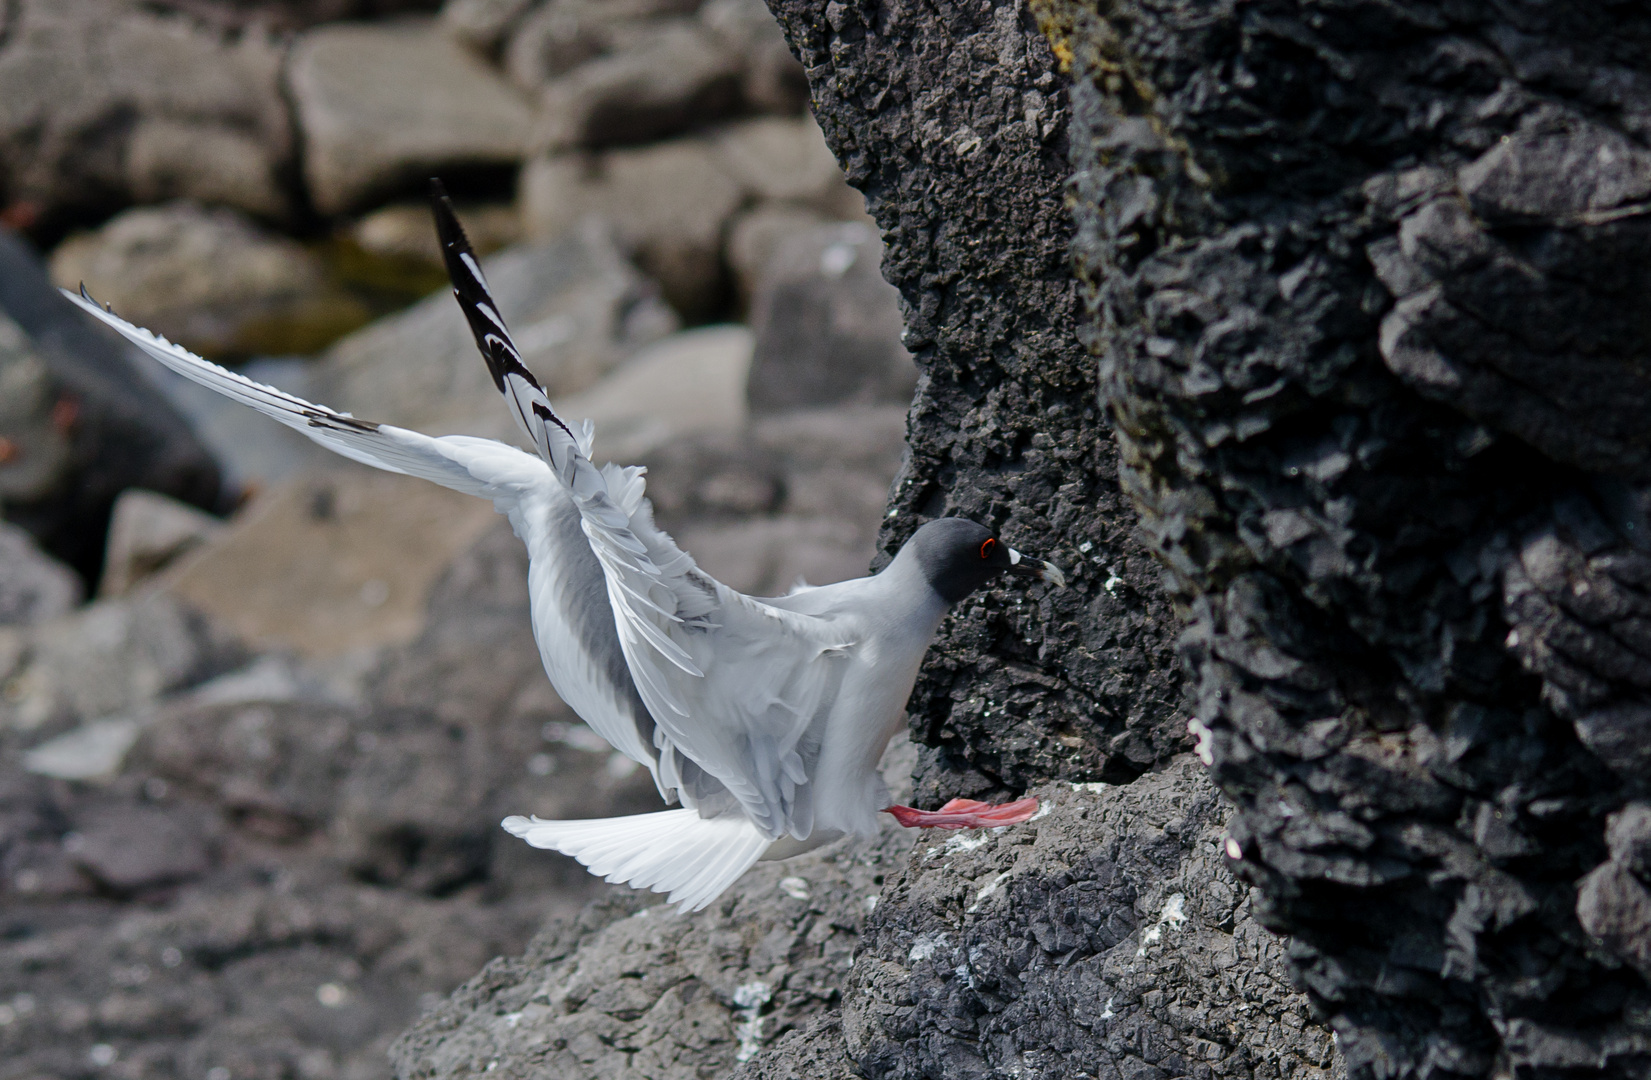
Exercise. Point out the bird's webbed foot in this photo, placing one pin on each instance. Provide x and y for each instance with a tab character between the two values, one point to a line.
966	814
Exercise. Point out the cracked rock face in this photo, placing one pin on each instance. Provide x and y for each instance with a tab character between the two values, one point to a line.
1104	940
634	988
1362	282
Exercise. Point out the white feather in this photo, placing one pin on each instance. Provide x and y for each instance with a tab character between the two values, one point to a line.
693	859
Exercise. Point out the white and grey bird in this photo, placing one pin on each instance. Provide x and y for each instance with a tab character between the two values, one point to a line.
764	718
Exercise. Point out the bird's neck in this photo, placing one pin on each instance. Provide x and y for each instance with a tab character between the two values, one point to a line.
909	591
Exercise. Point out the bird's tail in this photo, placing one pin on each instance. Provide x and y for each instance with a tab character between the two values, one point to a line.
673	851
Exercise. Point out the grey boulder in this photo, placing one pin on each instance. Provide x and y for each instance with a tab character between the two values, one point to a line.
105	100
671	74
753	237
828	326
666	203
482	24
380	107
116	657
209	279
670	203
34	587
147	532
773	80
555	37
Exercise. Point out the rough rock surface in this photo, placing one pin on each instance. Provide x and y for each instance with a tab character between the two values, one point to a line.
1360	282
633	988
952	121
1105	939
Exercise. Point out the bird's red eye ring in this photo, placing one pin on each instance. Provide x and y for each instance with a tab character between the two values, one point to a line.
986	548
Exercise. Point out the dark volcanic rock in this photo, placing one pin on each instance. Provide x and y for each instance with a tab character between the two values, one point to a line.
1364	284
1105	940
951	120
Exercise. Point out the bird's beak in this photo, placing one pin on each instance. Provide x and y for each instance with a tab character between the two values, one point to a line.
1021	564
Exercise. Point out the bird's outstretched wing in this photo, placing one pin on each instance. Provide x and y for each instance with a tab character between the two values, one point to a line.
572	619
740	689
474	466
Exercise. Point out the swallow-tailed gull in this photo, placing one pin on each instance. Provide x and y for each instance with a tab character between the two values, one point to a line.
763	718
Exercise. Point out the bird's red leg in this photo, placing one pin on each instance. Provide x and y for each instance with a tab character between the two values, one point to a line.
966	814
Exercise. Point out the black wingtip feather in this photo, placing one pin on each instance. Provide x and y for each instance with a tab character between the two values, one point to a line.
470	289
86	296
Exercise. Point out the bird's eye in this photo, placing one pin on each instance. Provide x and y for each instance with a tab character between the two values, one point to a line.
986	548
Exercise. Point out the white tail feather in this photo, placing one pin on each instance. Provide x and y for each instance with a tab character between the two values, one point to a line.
691	858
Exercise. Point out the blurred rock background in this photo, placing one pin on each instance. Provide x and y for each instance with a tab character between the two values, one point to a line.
260	709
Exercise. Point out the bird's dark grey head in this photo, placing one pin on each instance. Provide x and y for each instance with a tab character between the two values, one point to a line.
957	556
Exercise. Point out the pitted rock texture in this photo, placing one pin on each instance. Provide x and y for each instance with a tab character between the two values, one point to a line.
950	117
1362	280
635	988
1105	939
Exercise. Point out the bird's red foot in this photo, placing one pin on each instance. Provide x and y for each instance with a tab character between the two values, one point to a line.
966	814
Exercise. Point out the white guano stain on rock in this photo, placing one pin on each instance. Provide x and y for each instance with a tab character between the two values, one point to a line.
1173	915
986	891
1200	731
926	946
749	998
